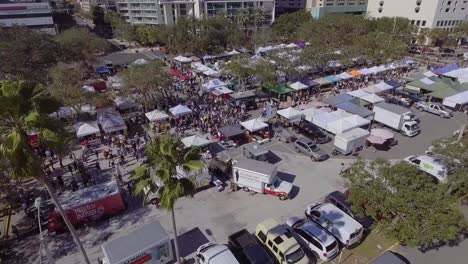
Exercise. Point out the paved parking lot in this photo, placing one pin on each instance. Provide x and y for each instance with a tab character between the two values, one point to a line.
212	215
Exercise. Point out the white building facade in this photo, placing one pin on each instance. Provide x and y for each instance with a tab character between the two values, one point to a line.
320	8
30	14
443	14
87	5
166	12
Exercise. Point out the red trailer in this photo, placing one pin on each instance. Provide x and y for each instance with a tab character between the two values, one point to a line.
88	205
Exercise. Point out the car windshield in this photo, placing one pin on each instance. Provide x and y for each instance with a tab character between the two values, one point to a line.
277	183
442	107
295	256
313	147
414	127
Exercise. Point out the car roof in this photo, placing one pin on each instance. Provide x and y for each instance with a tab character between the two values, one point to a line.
273	230
313	229
218	251
340	197
388	257
305	140
333	213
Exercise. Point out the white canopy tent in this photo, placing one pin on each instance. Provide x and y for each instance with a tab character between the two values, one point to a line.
298	86
372	98
311	112
357	121
212	84
358	93
111	121
344	76
382	133
156	115
140	62
322	119
183	59
383	86
340	113
195	141
222	91
339	126
291	114
457	99
180	110
254	125
211	72
87	129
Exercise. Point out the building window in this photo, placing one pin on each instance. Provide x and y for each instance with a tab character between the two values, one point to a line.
447	10
449	3
423	23
418	22
412	22
438	23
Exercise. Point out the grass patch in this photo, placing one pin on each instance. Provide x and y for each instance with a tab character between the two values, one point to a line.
372	246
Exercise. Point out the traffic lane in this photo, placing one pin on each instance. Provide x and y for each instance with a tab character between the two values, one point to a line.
448	254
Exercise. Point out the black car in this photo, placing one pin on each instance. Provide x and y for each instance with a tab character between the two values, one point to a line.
247	249
341	201
313	132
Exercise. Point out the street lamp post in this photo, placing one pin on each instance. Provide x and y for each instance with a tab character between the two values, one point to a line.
44	242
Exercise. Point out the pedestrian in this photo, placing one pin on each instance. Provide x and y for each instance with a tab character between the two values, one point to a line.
98	167
16	232
137	156
96	152
70	168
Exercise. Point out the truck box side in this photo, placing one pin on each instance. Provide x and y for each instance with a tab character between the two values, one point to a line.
388	118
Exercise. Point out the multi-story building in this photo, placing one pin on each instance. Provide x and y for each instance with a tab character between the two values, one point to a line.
320	8
287	6
444	14
87	5
36	15
160	12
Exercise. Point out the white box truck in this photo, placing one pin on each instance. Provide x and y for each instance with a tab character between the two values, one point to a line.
351	141
397	117
149	244
260	177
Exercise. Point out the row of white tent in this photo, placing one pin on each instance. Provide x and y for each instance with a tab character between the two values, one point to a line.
459	99
176	111
109	120
276	47
199	67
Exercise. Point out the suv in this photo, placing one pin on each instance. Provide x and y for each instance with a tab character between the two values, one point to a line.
341	201
309	148
317	239
211	253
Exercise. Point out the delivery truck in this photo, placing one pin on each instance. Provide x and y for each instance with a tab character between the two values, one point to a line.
350	141
87	205
260	177
397	117
148	244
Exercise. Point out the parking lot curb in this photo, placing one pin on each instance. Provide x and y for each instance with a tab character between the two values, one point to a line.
389	248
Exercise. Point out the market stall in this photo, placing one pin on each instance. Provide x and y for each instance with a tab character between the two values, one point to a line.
156	115
111	121
297	86
291	114
457	101
180	110
373	98
195	141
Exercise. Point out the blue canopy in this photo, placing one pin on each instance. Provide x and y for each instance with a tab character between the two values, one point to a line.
446	69
305	80
102	70
332	78
393	83
355	109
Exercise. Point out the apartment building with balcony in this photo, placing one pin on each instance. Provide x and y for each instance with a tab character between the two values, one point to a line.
35	15
320	8
443	14
166	12
87	5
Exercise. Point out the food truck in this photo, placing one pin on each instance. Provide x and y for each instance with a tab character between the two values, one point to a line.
87	205
149	244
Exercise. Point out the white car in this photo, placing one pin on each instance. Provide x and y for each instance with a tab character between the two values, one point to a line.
317	239
431	164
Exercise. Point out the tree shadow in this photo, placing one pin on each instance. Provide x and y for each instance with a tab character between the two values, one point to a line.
189	243
272	158
286	176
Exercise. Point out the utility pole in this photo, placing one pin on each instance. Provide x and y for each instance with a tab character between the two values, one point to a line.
44	241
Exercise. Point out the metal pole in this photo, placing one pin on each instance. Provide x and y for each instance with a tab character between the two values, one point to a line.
43	240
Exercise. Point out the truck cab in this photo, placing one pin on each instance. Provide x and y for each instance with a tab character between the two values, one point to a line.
410	128
211	253
279	188
280	242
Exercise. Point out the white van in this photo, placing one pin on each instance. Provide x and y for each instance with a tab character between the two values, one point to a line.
211	253
345	228
430	164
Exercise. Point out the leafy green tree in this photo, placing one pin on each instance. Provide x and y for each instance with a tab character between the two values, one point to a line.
405	202
97	14
78	44
239	68
165	155
26	54
148	81
266	71
285	26
25	108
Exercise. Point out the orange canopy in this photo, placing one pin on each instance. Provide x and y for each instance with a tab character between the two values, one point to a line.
354	73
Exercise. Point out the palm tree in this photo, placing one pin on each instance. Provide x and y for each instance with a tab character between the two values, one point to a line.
25	108
166	155
243	18
258	17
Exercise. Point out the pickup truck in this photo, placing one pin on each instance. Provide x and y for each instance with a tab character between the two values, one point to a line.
248	248
436	109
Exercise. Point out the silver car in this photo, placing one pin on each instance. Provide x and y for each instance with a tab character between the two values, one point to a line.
309	148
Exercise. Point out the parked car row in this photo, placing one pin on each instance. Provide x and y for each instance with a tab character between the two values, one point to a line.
326	228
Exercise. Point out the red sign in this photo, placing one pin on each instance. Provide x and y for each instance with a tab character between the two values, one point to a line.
142	260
